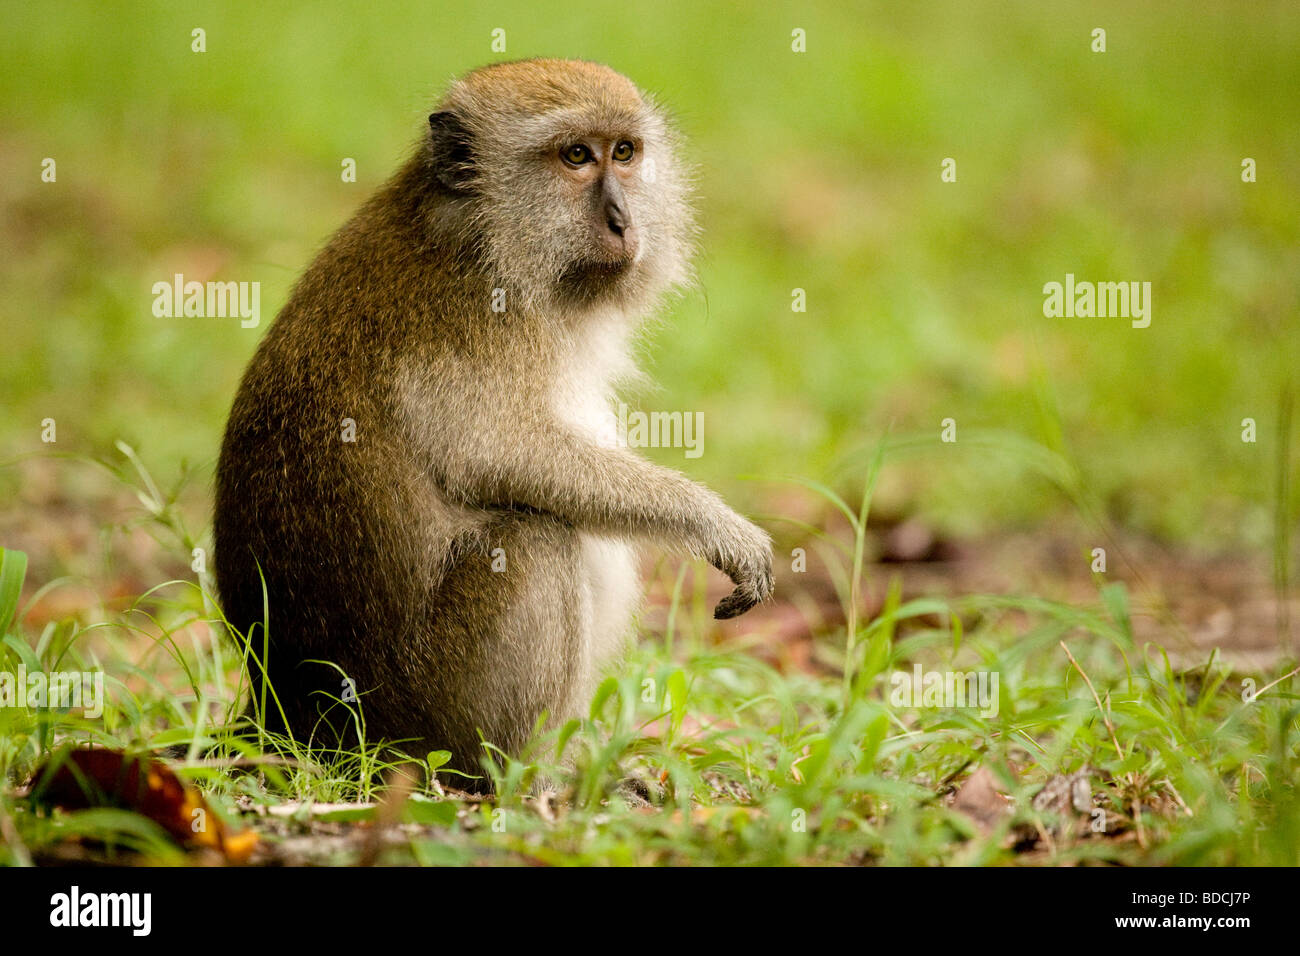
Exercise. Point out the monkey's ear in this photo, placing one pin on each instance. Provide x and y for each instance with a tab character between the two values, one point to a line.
451	151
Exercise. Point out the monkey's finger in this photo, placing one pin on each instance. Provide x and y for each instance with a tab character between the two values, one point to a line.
735	604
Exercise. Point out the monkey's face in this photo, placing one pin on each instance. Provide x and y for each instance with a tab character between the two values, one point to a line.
573	183
598	172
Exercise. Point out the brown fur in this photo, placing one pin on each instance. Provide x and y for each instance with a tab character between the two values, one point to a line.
377	555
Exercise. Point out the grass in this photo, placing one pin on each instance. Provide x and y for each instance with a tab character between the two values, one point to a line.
741	763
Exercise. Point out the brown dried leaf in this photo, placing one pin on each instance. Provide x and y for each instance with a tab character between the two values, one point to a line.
99	777
979	800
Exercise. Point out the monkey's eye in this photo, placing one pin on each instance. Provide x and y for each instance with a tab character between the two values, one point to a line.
577	154
623	151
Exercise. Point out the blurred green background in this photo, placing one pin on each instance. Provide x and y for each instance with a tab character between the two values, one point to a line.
818	171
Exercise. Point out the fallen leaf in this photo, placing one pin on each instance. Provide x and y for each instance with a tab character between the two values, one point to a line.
97	777
979	801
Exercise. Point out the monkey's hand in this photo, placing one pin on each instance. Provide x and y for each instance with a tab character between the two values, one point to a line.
746	558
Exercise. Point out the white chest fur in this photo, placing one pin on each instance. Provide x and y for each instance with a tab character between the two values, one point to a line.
599	357
583	399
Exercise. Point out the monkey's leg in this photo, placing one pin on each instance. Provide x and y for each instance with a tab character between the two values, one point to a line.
507	636
614	581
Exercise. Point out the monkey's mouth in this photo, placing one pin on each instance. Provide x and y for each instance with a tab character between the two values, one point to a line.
595	280
592	272
602	266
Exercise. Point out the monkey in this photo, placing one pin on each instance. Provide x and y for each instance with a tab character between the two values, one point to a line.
421	513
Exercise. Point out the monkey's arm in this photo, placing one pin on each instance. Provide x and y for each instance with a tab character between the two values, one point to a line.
616	492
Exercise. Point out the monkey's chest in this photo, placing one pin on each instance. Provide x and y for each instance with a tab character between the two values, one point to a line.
582	396
588	411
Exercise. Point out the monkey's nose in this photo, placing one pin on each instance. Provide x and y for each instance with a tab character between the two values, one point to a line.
621	240
616	218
